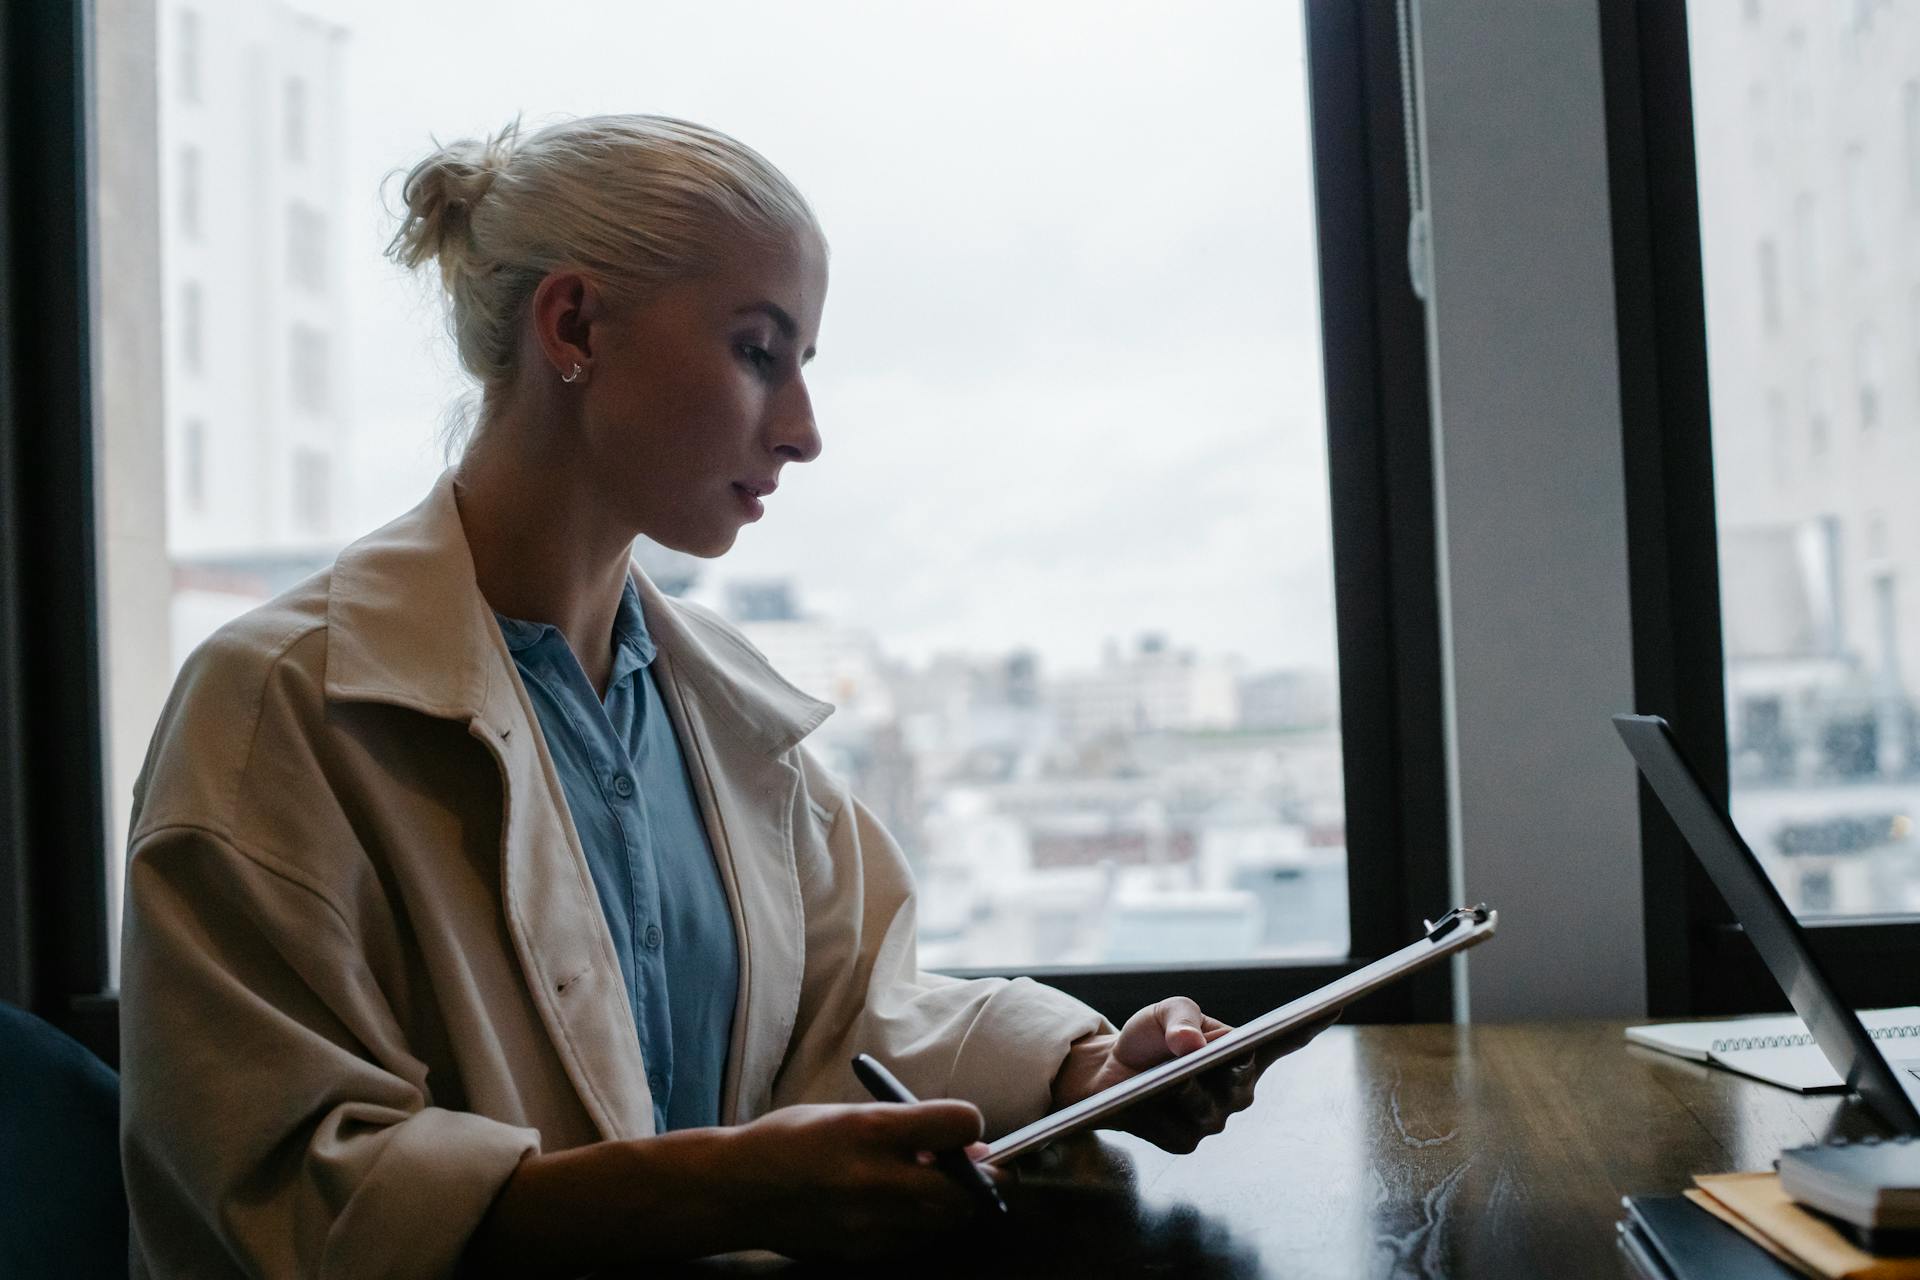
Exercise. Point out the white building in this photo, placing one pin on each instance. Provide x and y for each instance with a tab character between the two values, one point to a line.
251	171
1808	138
971	717
1297	699
1151	689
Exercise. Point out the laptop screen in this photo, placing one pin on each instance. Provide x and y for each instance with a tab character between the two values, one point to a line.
1782	943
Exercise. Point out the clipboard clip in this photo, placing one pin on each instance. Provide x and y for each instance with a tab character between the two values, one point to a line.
1438	929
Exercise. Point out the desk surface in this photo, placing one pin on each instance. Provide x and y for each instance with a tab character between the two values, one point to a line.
1420	1151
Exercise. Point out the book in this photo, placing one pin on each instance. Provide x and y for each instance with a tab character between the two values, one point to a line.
1666	1238
1764	1211
1775	1049
1745	1228
1871	1187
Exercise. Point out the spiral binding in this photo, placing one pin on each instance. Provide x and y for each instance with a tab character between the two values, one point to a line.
1740	1044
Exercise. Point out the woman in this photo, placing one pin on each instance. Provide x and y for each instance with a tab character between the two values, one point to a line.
483	904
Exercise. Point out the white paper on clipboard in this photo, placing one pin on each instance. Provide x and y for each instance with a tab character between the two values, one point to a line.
1469	926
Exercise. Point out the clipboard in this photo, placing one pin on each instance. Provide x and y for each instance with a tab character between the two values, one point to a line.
1457	930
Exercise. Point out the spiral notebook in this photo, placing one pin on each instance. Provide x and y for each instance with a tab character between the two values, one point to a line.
1775	1049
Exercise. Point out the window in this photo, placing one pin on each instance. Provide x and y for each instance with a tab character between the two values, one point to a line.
1152	767
307	248
187	52
309	372
1816	408
192	322
1757	108
1869	375
193	463
1806	246
1913	344
1147	768
295	121
1780	442
1858	203
1911	97
1823	733
312	490
1769	287
190	193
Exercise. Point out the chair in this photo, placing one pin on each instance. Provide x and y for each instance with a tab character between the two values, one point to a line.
63	1207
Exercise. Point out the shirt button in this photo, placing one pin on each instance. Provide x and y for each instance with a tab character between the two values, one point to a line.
622	785
653	935
655	1083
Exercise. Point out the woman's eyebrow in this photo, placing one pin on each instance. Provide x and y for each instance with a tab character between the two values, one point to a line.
778	314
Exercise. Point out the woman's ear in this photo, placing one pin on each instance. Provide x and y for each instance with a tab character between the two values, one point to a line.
566	305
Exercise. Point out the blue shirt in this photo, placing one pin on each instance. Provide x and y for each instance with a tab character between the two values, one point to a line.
632	803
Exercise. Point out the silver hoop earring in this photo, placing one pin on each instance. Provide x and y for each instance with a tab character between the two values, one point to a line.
573	374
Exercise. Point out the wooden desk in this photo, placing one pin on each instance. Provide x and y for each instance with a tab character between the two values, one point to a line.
1421	1151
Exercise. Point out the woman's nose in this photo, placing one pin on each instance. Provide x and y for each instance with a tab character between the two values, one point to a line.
796	435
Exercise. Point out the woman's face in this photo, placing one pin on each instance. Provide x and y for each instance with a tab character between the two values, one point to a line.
697	400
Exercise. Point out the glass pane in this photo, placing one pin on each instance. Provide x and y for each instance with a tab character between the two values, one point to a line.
1065	564
1808	130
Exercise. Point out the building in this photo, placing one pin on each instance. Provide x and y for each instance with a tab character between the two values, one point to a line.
1149	689
252	138
1282	700
1808	140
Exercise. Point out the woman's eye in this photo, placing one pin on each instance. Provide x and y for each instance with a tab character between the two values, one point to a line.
758	357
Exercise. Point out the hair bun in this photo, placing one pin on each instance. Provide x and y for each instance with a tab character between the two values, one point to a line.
440	195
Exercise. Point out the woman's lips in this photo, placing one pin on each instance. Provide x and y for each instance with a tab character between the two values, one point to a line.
749	500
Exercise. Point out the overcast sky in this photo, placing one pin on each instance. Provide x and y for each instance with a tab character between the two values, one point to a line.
1069	371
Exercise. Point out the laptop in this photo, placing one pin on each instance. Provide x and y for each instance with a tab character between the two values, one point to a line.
1891	1088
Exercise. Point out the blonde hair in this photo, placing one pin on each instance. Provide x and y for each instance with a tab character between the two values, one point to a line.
633	201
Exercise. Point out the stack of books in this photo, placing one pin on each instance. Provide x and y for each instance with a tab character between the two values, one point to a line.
1737	1226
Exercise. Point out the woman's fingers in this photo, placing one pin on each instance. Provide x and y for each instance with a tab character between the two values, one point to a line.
1165	1127
1165	1029
1268	1054
1175	1120
1233	1084
939	1125
1178	1119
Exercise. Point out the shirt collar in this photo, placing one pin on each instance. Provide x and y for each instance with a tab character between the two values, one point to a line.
520	635
633	647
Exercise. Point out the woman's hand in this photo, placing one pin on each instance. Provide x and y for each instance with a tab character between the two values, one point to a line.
1177	1119
849	1181
808	1182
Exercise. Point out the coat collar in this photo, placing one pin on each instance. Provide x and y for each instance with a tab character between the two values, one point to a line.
406	624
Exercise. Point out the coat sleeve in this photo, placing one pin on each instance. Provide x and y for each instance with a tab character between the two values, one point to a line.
993	1041
270	1112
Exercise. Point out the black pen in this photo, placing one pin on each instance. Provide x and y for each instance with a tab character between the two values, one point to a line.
881	1084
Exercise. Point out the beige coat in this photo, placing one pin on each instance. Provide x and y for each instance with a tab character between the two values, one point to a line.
364	971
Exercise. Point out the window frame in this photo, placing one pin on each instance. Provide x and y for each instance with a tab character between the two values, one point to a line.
53	924
52	786
1699	961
